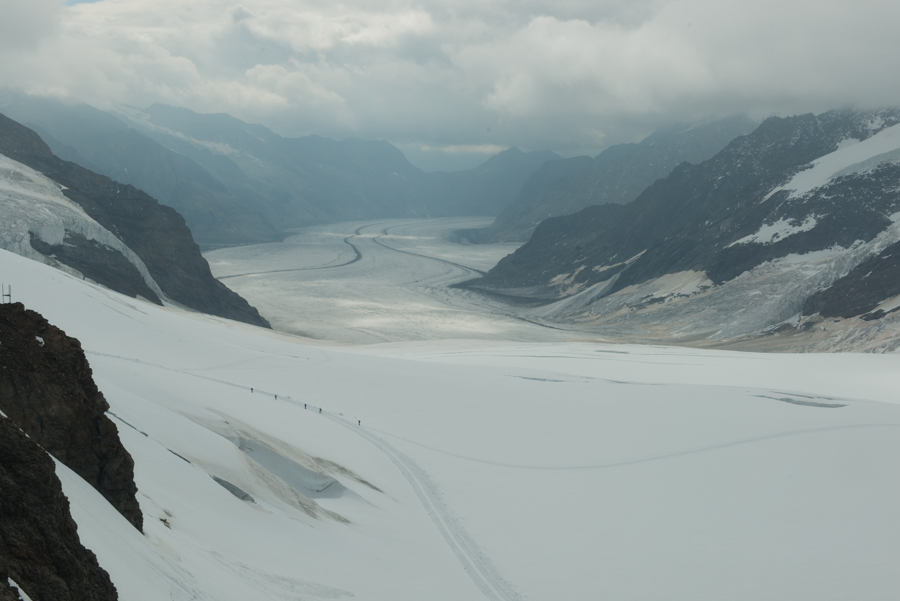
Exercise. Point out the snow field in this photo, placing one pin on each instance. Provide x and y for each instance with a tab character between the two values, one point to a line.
311	285
507	470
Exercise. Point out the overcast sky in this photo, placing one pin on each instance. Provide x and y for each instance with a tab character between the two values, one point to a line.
460	78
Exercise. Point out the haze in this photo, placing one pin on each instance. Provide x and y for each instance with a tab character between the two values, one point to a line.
452	83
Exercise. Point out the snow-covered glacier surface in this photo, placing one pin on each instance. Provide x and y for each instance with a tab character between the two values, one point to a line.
376	281
467	469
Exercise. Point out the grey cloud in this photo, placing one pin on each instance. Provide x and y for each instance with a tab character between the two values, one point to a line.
25	23
570	75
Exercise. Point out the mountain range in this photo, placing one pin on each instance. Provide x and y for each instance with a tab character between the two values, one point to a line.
114	234
238	183
615	176
791	224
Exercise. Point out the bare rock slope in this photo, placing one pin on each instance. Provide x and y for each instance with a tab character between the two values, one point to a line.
47	389
39	545
49	405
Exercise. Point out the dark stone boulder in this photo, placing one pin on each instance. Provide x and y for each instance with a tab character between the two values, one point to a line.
47	389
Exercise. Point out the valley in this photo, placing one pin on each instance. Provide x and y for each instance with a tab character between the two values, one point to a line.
429	301
377	281
273	467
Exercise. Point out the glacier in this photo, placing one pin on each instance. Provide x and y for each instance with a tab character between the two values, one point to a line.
495	469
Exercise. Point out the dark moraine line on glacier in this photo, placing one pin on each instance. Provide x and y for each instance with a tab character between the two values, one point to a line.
384	232
350	262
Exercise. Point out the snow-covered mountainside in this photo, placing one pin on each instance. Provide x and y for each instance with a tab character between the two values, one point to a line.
111	233
271	468
36	213
769	232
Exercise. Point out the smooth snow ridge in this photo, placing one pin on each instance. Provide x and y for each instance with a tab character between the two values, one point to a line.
32	203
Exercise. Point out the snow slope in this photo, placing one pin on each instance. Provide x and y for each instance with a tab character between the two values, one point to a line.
32	203
480	470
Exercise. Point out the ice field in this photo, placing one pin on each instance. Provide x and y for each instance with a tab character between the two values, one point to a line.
444	468
379	281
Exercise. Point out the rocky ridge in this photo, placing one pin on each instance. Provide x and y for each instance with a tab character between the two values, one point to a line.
616	176
155	234
99	141
47	389
39	545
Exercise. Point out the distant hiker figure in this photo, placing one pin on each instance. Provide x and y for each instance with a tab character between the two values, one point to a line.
320	410
304	405
251	389
276	397
358	422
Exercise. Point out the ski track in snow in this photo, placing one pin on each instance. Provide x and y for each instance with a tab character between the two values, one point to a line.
663	456
472	558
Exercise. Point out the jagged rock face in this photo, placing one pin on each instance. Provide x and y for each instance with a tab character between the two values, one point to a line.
157	234
703	217
617	175
7	593
39	545
47	389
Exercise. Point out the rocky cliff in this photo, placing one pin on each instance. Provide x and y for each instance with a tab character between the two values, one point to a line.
39	545
47	389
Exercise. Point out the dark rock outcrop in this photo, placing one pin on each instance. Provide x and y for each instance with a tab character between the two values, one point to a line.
39	545
47	389
157	234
